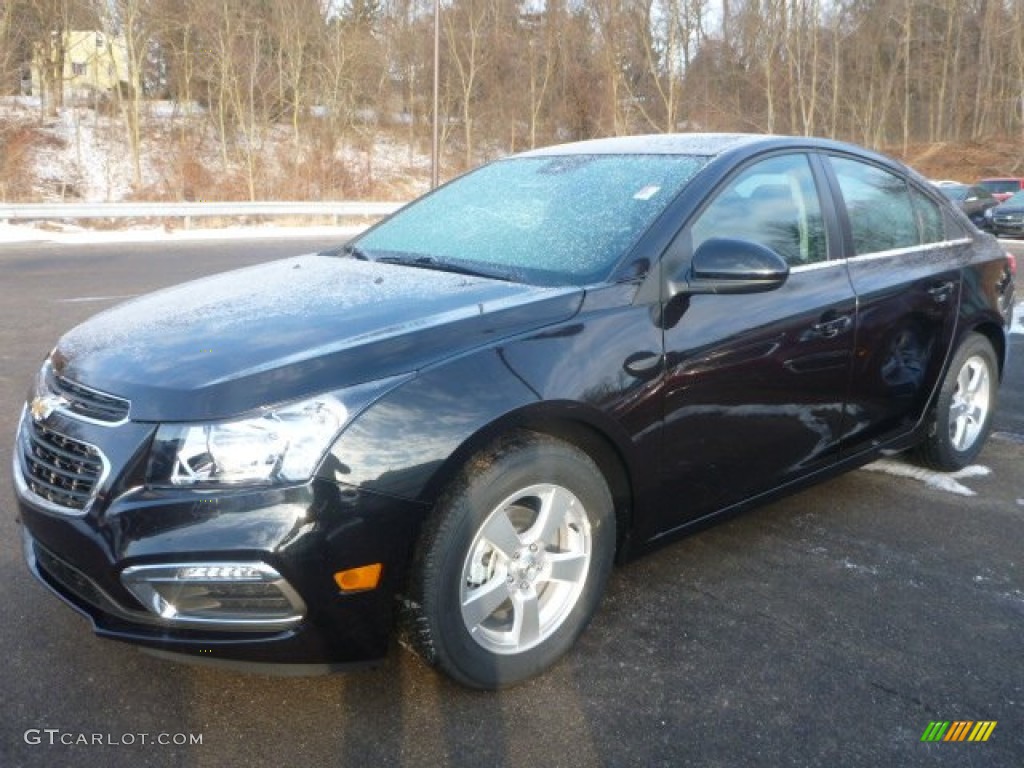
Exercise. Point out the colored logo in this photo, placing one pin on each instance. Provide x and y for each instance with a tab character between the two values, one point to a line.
958	730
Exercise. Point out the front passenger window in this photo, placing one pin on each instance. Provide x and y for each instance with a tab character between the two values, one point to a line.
773	203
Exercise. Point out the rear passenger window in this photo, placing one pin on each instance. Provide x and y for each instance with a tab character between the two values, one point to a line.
882	216
929	217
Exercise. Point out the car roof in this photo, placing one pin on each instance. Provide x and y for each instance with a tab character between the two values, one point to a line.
706	144
709	145
729	147
703	144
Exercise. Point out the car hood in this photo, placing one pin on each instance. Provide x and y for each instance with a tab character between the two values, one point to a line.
231	343
1005	208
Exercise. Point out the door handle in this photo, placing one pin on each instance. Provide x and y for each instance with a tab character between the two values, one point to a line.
643	365
829	329
941	293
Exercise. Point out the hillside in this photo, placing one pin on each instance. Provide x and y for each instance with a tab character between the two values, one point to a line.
82	155
967	161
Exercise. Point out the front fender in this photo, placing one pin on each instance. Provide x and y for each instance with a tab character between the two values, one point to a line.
397	445
578	381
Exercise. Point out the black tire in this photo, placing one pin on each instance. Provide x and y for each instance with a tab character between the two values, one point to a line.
962	417
490	604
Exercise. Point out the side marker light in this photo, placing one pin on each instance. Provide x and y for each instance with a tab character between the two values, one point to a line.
360	579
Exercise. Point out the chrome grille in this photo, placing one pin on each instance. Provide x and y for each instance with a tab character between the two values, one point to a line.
88	403
58	468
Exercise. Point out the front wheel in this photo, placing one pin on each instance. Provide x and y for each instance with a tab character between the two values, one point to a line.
962	418
512	565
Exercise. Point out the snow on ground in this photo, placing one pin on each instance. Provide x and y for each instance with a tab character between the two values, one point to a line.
13	234
92	161
942	481
12	105
82	155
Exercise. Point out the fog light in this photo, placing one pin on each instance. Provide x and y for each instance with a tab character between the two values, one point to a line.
226	596
359	579
221	573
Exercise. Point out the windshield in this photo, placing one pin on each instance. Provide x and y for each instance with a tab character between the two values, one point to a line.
563	220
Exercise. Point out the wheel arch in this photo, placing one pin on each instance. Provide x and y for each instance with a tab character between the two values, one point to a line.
996	336
576	425
994	333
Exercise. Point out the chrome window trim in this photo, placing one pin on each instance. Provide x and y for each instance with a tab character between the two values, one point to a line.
923	248
816	266
876	255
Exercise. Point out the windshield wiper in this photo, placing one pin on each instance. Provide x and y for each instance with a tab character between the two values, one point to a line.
352	251
355	252
429	262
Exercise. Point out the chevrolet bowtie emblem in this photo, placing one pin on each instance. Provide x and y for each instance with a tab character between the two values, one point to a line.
43	405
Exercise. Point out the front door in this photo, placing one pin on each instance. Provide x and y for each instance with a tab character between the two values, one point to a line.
755	384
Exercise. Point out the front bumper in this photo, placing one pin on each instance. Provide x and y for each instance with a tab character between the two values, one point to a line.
307	533
1012	227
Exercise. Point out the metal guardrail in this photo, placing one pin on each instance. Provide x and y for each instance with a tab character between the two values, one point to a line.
187	211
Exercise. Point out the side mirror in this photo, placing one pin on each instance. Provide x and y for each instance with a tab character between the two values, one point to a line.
725	265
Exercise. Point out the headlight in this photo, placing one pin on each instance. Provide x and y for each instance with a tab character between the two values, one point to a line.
282	445
285	444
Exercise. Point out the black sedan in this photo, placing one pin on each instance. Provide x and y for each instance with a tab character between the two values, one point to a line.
976	202
458	422
1008	217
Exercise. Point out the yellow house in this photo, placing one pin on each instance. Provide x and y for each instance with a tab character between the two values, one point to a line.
94	62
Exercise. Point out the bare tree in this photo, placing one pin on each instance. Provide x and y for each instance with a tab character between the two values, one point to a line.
465	25
9	70
131	21
1018	69
329	76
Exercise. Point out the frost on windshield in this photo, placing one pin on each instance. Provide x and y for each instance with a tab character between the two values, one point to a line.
550	220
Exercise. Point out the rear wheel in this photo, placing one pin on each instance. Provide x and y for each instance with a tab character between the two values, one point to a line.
513	563
962	418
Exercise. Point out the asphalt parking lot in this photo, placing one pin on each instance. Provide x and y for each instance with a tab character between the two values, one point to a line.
828	629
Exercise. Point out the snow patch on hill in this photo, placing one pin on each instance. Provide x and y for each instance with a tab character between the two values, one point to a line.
83	154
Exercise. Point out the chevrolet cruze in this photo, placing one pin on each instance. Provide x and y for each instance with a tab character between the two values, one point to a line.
454	425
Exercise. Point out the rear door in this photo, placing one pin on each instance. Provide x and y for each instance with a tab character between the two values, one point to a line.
904	260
